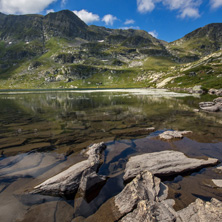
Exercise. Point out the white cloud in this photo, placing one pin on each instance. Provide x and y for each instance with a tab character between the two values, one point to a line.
87	17
216	3
129	21
190	12
50	10
144	6
130	27
153	33
24	6
109	19
186	8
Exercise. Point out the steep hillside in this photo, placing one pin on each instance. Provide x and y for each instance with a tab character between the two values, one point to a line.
199	43
60	51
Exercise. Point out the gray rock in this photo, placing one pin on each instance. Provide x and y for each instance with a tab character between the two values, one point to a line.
212	91
89	179
164	163
167	135
218	100
68	181
144	187
201	211
214	106
152	211
206	104
217	182
219	168
197	89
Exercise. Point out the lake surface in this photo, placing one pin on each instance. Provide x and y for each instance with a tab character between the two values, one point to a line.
43	133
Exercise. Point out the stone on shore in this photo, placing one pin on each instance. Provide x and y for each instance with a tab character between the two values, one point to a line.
82	173
164	163
214	106
168	135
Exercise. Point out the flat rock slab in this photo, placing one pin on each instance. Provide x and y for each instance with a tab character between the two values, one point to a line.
165	163
217	182
168	135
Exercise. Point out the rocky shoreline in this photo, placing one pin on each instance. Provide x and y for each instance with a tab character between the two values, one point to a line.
215	106
145	198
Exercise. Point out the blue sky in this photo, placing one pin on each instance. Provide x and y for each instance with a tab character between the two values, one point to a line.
165	19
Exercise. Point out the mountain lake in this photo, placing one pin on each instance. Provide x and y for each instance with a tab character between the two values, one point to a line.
43	133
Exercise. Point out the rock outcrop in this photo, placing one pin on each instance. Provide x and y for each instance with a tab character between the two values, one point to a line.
167	135
201	211
81	175
217	92
214	106
145	199
144	187
164	163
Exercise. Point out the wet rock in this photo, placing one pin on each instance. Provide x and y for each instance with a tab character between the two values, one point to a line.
49	211
217	182
89	179
167	135
164	163
214	106
84	173
144	187
151	211
201	211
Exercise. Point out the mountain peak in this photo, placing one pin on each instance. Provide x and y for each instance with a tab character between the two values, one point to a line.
64	23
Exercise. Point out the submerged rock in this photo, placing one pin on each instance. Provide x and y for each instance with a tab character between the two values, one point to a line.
167	135
82	174
164	163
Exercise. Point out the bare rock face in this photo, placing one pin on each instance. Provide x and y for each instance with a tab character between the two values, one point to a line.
214	106
201	211
82	174
144	187
168	135
164	163
151	211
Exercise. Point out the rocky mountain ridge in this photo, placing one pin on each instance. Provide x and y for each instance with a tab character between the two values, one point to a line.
60	50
